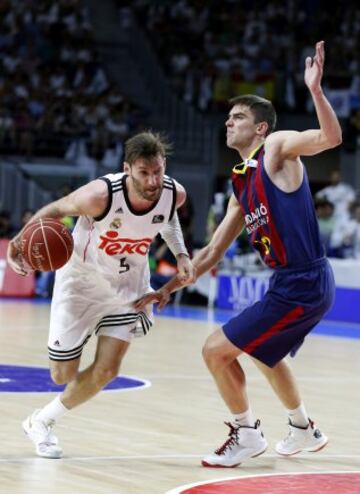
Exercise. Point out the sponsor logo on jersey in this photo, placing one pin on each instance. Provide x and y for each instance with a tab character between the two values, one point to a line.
263	246
158	218
116	223
114	245
257	218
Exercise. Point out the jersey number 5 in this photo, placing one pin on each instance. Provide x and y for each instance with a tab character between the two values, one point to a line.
123	265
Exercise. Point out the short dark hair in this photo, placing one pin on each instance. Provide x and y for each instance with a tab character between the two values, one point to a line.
146	145
261	108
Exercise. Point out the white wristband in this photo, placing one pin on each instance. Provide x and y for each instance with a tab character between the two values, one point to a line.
173	236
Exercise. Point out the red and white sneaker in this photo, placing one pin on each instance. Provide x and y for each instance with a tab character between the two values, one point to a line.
244	442
301	439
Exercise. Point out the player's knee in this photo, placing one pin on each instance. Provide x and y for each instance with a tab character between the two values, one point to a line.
104	374
62	375
216	352
212	355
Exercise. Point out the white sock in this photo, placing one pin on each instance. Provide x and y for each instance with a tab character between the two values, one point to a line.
245	418
52	411
298	416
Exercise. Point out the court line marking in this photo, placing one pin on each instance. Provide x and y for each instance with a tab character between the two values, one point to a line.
179	490
255	378
146	383
174	456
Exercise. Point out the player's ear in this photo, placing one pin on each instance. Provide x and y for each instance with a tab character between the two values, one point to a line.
127	167
262	128
164	163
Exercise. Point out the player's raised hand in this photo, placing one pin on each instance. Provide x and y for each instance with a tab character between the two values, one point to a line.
314	68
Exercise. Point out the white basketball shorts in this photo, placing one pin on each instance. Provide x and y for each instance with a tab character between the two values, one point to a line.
82	306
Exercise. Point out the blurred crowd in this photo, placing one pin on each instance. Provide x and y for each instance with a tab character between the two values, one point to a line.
54	91
213	50
56	96
338	211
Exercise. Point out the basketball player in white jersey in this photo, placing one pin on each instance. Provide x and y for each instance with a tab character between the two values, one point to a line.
119	215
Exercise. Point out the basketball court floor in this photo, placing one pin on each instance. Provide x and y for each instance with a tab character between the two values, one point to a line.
148	434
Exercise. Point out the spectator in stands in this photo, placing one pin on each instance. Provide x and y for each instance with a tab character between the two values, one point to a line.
227	50
327	223
6	227
216	214
347	234
339	193
51	77
352	131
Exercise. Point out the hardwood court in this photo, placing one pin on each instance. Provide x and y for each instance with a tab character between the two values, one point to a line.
149	441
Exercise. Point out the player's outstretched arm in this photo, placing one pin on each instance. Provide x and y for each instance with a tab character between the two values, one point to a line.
228	230
329	125
90	200
292	144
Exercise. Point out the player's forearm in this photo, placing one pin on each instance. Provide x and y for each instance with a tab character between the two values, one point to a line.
206	259
329	123
173	285
49	211
173	236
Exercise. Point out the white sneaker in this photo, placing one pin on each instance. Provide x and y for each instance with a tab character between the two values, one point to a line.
243	443
46	443
301	439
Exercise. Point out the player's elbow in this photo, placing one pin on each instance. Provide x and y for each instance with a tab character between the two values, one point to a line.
338	140
333	140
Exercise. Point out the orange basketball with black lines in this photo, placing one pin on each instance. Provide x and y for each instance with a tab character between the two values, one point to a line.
46	244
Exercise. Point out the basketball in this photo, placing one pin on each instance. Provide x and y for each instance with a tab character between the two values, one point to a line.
46	244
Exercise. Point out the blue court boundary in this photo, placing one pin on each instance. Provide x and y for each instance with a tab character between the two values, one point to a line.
326	327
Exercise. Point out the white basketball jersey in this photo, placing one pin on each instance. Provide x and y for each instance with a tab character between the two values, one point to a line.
114	248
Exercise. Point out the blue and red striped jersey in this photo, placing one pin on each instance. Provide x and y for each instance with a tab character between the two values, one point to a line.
281	226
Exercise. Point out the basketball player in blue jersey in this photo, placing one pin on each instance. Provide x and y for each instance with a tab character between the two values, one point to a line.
272	201
119	215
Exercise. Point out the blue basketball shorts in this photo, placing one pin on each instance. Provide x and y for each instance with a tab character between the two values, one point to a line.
275	326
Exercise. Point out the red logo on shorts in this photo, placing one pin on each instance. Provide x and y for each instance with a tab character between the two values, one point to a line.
113	245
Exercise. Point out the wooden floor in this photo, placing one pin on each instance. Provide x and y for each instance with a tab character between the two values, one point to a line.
149	441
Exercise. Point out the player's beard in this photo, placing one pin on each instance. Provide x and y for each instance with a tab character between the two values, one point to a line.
150	194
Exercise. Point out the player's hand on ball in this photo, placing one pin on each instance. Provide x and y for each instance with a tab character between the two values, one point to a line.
160	297
15	258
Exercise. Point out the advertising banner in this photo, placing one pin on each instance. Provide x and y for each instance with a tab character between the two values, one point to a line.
12	284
